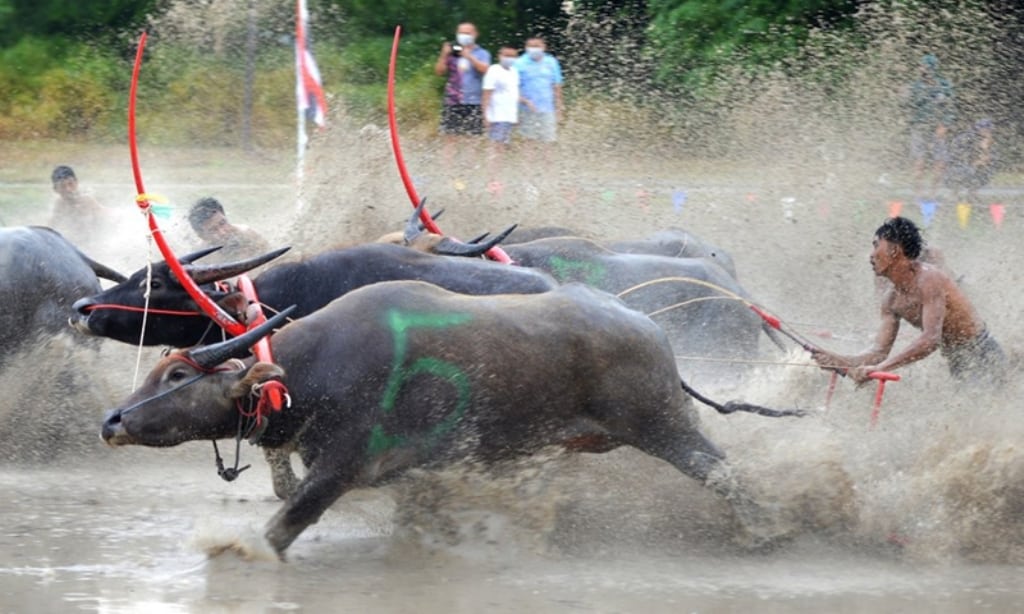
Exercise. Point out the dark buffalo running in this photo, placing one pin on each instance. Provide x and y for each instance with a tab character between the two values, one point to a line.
670	242
676	243
405	374
701	307
308	284
41	275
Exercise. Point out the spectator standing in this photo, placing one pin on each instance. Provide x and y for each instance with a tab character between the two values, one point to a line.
971	160
932	112
540	90
464	64
501	102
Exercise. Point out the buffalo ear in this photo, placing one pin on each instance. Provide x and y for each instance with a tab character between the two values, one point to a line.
257	374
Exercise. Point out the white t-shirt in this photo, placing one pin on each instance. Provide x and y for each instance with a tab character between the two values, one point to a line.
504	104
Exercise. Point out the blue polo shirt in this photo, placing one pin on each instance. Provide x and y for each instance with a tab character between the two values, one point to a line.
537	80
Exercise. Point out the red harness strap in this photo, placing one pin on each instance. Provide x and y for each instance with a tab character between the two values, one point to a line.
272	393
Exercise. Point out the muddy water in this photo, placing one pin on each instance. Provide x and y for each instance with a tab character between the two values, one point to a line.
128	533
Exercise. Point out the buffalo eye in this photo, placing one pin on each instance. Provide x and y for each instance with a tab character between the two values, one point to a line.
176	375
155	284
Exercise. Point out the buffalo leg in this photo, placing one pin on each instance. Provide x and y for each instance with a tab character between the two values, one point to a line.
284	479
321	487
689	452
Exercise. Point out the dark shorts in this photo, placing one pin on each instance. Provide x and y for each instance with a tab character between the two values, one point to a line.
465	119
979	361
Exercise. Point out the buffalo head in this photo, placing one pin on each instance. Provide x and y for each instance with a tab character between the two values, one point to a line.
191	394
174	318
416	237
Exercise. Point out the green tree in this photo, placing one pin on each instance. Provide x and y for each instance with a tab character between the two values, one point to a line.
79	18
692	38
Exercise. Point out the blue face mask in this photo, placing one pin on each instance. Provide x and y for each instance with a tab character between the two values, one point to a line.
535	52
464	39
507	62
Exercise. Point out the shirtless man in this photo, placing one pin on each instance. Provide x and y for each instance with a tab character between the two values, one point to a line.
211	225
75	213
928	299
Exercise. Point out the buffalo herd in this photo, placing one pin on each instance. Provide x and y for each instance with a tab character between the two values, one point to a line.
415	354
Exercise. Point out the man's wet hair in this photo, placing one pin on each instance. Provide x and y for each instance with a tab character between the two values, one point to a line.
62	172
204	209
902	232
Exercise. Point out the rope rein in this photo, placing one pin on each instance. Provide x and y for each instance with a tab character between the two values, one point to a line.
145	310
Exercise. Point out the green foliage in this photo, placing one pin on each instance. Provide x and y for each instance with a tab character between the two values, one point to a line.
61	90
81	17
696	38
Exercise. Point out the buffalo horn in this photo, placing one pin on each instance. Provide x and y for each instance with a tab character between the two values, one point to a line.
209	356
206	251
434	216
412	227
205	273
478	238
450	247
101	270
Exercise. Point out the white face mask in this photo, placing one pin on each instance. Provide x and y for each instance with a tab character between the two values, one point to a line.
464	39
507	62
535	52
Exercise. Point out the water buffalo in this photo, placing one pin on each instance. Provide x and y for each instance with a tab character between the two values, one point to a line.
701	306
309	284
41	275
670	242
405	374
675	243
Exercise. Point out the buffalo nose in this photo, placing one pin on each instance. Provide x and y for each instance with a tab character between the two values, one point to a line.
83	306
111	425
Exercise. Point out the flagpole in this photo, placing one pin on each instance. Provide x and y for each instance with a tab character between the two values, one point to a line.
300	137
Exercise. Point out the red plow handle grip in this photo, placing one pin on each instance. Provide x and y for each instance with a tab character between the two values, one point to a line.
881	377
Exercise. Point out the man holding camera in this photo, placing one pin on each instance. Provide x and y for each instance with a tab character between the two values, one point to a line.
465	64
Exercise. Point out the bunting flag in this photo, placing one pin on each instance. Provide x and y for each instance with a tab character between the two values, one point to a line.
309	92
678	200
963	214
895	208
643	199
997	211
928	209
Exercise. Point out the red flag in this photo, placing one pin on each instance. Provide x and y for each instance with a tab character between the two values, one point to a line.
309	92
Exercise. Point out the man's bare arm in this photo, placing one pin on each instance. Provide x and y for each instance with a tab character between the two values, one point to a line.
933	315
884	340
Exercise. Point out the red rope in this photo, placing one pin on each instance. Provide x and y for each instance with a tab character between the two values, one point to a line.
166	312
209	307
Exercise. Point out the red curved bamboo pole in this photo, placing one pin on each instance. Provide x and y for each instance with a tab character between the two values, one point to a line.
210	308
495	253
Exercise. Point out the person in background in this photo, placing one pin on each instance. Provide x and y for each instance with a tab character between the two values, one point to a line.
211	225
929	300
932	112
971	160
540	91
75	213
501	103
464	64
